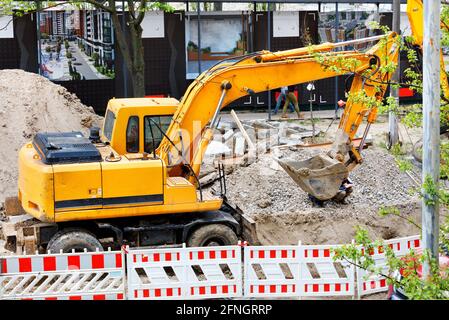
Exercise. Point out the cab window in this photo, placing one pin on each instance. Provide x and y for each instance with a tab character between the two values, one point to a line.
109	124
132	135
153	135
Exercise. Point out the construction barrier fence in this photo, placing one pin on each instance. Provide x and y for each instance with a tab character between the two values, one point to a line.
239	271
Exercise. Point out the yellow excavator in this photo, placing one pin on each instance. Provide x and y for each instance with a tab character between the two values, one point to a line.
136	182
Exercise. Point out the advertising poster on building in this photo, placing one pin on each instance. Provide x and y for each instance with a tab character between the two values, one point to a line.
76	45
222	37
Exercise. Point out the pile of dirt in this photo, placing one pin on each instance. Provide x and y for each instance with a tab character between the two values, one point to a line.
285	215
29	104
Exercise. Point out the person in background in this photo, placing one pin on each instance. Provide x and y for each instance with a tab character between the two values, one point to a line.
291	98
281	97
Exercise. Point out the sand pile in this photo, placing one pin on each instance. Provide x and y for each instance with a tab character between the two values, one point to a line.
30	103
285	214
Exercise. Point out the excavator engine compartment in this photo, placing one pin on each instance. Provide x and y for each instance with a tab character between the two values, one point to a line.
65	147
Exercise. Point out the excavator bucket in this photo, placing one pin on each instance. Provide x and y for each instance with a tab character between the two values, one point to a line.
320	176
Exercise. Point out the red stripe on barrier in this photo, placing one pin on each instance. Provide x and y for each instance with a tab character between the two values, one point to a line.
157	257
177	256
119	296
144	258
326	287
51	298
337	287
97	261
169	292
272	289
24	264
383	282
380	249
73	262
146	293
157	292
417	243
251	289
347	287
233	253
261	289
283	253
213	290
284	288
4	266
49	263
135	293
224	254
327	252
118	260
134	258
179	291
373	285
235	288
364	286
261	254
272	254
202	290
315	253
167	256
251	254
99	297
75	298
200	255
305	253
315	287
192	291
294	253
212	255
225	289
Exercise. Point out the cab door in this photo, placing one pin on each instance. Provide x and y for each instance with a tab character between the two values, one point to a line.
134	180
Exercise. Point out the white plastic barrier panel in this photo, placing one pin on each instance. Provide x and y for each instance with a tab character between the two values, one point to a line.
271	271
321	275
214	272
64	276
368	282
185	273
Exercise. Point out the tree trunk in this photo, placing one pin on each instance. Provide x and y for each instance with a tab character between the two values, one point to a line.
138	63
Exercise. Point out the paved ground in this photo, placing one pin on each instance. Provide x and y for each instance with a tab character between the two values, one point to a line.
84	69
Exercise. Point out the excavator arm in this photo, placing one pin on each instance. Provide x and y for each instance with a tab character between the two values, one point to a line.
193	124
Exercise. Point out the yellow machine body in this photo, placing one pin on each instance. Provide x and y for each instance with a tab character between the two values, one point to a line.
128	184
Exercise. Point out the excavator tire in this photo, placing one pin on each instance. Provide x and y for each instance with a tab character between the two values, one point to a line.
73	239
212	235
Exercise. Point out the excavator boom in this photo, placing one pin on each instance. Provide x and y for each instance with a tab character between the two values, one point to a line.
192	126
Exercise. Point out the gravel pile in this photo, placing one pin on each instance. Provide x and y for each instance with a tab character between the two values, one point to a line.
29	104
264	187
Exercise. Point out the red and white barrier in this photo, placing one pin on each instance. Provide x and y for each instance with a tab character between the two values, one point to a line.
194	273
71	276
185	273
369	282
271	271
321	275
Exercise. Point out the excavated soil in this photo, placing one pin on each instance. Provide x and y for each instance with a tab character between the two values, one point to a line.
29	104
285	215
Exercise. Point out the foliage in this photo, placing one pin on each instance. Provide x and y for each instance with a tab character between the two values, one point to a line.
409	280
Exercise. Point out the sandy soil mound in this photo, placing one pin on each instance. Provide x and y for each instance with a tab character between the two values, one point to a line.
284	214
30	103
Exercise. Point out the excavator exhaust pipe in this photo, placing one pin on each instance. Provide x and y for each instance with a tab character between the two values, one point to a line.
320	176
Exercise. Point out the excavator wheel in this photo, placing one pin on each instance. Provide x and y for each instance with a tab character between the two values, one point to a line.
212	235
73	239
